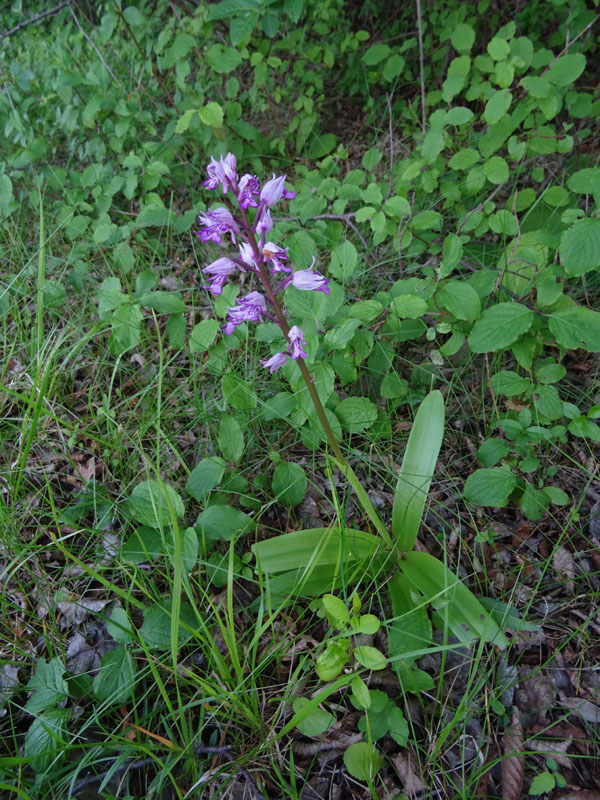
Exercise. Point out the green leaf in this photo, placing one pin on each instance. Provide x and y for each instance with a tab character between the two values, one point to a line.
48	686
336	611
393	67
370	657
223	522
44	740
153	503
211	114
580	247
509	383
153	216
576	327
344	259
289	483
207	474
393	386
460	299
230	438
361	695
332	660
585	181
459	608
427	220
409	632
125	328
432	144
223	59
156	628
566	69
408	306
203	335
375	54
497	106
498	48
496	170
238	393
163	302
362	760
147	544
356	414
491	451
459	115
490	487
500	326
537	87
317	721
183	123
338	337
398	726
464	159
462	37
418	466
119	626
115	680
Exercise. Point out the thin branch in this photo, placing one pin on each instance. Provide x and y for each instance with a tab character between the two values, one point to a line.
99	54
36	18
421	64
388	100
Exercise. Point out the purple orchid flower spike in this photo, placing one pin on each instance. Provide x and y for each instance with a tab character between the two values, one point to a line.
310	280
218	271
264	223
275	362
297	343
217	222
249	309
247	254
273	190
221	172
276	255
247	188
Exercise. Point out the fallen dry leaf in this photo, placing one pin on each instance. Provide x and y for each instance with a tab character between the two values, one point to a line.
555	749
412	784
563	563
513	767
587	710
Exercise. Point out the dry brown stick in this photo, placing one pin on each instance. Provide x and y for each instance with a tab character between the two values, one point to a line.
36	18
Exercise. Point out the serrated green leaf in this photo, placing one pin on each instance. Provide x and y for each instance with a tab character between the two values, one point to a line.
154	503
580	247
211	114
115	680
48	686
500	326
460	299
490	487
576	327
356	414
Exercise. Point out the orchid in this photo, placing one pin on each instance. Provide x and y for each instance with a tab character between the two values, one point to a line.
217	223
256	255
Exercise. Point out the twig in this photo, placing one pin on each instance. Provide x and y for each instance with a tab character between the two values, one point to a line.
566	47
36	18
388	100
421	64
99	54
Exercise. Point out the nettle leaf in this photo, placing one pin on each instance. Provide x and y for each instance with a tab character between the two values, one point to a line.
576	327
153	503
115	680
460	299
500	326
566	69
289	483
356	414
490	487
48	686
580	247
